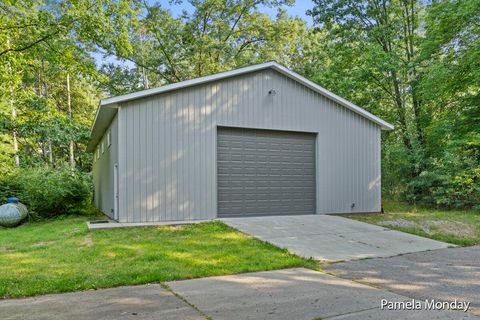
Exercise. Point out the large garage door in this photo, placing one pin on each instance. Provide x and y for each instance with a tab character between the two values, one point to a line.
262	172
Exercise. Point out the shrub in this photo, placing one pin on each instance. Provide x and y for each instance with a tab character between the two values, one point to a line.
48	192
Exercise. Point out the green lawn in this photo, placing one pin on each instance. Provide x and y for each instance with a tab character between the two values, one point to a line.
453	226
62	255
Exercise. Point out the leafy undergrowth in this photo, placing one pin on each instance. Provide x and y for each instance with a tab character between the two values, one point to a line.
62	255
452	226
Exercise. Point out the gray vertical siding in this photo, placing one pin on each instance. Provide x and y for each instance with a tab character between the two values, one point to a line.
167	146
103	171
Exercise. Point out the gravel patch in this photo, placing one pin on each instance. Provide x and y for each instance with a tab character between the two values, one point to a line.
398	223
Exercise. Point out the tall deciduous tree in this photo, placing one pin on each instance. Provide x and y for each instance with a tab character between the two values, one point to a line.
42	118
385	34
216	35
399	59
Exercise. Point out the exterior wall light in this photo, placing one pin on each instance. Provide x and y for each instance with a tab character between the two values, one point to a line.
272	92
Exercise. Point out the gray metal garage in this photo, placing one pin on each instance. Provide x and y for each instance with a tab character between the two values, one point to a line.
260	140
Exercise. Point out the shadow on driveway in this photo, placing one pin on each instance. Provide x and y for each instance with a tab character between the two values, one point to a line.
445	274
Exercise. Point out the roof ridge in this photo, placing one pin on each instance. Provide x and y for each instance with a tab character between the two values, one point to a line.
108	103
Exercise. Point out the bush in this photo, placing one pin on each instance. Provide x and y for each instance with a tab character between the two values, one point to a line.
48	192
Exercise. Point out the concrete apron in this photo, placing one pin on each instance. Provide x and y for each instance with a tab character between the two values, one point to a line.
332	238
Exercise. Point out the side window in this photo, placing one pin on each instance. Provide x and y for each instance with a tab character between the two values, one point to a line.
109	139
103	146
98	153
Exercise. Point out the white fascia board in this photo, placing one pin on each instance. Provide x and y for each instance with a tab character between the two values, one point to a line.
103	118
186	83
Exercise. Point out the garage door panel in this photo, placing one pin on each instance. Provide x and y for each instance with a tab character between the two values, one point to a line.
263	172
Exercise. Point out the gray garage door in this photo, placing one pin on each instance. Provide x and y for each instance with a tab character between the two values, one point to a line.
262	172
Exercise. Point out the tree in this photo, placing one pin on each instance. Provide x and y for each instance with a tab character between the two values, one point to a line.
407	61
48	41
450	87
218	35
387	34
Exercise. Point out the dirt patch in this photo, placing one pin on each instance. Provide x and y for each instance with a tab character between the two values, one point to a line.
6	249
449	227
87	241
455	228
398	223
42	244
74	231
176	227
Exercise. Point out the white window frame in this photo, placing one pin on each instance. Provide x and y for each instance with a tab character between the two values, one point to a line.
109	138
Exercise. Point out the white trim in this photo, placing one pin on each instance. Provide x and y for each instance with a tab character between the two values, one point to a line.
97	112
115	191
114	101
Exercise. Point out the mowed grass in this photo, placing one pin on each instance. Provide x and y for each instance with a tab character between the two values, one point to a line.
460	227
62	255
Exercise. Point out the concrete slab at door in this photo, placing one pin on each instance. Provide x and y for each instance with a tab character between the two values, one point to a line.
132	302
298	293
332	238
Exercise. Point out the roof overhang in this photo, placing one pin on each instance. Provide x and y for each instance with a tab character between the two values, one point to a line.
103	118
107	108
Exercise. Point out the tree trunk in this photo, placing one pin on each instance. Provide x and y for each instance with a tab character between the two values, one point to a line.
409	27
14	131
401	112
14	115
142	52
69	103
43	92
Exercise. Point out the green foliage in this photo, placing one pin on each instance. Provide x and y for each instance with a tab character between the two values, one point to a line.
48	192
415	64
216	36
118	80
43	42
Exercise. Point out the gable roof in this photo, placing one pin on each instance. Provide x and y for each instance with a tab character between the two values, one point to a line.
108	107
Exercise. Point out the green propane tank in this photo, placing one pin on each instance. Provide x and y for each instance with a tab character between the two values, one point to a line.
12	213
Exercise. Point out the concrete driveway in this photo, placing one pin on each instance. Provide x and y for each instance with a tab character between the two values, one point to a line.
445	274
298	293
130	302
332	238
